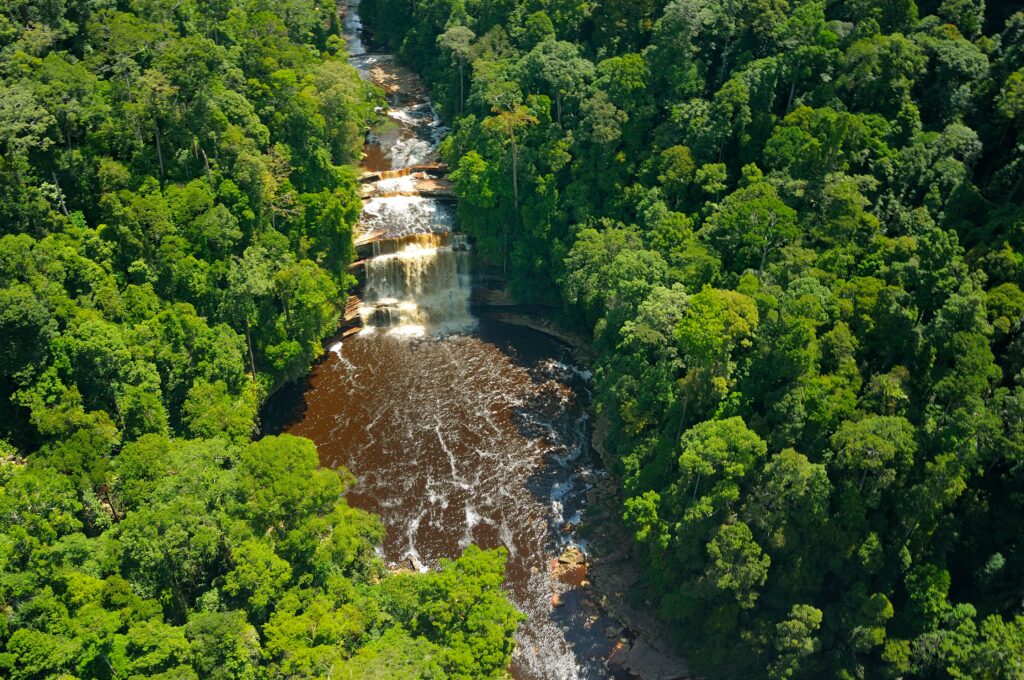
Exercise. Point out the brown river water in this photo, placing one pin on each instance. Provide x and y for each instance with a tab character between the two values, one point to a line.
458	430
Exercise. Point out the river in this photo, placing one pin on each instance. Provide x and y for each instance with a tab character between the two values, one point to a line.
458	429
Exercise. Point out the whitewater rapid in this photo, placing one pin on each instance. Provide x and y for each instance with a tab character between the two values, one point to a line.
458	430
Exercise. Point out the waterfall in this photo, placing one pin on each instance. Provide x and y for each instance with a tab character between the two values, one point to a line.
469	437
417	284
416	268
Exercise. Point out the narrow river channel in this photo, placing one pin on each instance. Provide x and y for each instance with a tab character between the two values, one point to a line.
459	430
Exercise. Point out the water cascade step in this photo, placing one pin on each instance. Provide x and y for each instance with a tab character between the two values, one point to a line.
418	283
415	268
457	431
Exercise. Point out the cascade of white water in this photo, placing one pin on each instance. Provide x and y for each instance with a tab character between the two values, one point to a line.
417	284
417	279
397	216
457	439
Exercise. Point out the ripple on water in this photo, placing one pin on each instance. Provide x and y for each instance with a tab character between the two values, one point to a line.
468	438
473	437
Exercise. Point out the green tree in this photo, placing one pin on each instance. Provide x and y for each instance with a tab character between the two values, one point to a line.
210	410
715	457
795	641
224	645
458	40
258	578
737	563
751	224
559	66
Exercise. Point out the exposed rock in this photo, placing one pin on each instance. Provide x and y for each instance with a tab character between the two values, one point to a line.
352	308
492	297
641	660
400	569
573	556
536	320
614	631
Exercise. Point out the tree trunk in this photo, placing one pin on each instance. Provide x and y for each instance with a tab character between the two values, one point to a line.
515	199
206	164
110	501
725	61
792	91
248	341
462	80
159	148
515	174
60	195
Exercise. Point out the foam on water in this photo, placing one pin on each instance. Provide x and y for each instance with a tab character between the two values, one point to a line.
453	441
455	435
399	216
420	286
396	185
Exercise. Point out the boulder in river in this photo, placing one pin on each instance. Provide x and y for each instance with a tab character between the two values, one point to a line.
572	556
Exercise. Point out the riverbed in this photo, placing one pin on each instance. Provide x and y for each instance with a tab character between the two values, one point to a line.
458	429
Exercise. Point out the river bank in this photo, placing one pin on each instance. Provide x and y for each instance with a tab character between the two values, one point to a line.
491	301
463	415
615	577
607	567
458	428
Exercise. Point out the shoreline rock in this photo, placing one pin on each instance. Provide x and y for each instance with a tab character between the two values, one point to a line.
511	315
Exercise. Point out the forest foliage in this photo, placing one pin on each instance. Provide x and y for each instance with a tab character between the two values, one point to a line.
177	197
796	228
